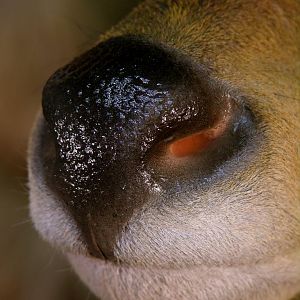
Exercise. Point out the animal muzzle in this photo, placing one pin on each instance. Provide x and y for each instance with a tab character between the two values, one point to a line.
127	121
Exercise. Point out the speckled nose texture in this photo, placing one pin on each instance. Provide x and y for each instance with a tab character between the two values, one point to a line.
106	112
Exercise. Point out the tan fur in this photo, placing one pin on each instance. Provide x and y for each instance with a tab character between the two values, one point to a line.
240	239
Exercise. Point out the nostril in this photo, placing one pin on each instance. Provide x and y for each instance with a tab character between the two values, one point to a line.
110	115
197	142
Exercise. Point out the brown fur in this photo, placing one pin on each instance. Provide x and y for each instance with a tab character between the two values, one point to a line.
242	240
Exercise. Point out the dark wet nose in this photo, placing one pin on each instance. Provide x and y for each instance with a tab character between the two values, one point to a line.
105	112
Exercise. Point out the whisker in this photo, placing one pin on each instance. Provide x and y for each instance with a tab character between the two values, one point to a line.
88	31
49	263
21	223
22	208
63	270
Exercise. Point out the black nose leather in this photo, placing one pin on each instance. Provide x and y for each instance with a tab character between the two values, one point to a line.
105	112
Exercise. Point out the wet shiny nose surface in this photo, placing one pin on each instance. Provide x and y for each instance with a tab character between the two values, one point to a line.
110	114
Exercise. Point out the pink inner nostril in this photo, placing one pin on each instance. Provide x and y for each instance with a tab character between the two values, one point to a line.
196	142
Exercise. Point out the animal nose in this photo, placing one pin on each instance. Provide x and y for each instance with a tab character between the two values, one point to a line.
109	115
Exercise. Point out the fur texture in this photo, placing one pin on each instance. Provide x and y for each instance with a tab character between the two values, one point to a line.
240	238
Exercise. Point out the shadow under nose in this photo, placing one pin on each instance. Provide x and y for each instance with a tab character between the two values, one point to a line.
105	112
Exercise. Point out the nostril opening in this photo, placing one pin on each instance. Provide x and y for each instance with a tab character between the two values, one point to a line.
197	142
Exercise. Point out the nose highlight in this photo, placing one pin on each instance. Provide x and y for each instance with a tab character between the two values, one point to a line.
95	105
104	112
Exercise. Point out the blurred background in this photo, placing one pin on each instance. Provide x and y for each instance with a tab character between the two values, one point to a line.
36	38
